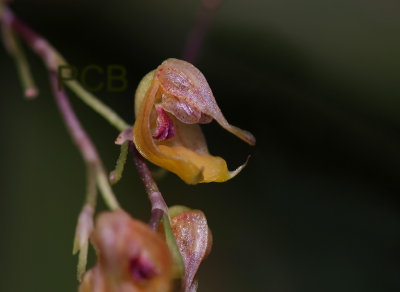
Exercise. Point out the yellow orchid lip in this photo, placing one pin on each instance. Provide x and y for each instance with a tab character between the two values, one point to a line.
170	102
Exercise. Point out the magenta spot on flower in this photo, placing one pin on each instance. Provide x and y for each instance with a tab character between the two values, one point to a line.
165	126
142	269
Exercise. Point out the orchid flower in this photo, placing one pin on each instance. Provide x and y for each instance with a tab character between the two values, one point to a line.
170	103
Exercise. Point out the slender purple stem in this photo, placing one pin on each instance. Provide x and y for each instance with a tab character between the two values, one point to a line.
155	219
38	44
82	141
158	205
78	134
52	59
43	49
205	16
18	25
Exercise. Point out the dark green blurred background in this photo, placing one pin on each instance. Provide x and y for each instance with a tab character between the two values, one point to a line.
317	82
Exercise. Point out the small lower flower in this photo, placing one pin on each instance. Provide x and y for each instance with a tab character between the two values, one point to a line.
131	257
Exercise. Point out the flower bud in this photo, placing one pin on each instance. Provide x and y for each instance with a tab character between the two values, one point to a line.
131	257
194	240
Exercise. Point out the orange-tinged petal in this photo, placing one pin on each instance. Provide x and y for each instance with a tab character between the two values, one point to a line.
145	144
142	89
213	168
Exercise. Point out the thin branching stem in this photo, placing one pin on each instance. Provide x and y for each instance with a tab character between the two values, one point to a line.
14	48
205	16
83	142
105	189
53	59
111	116
155	197
91	188
159	209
